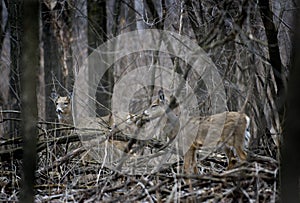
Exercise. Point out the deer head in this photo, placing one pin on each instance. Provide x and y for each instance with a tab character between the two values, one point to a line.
63	108
161	113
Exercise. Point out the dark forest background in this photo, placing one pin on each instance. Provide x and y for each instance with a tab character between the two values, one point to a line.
251	43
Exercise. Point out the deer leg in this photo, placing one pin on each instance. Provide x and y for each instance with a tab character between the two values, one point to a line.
189	165
241	153
230	158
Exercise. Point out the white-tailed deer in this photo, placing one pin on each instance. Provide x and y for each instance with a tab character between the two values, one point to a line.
63	108
63	105
87	125
234	138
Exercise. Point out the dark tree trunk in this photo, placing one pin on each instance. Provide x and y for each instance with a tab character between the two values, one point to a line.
4	68
97	34
273	48
15	18
52	65
2	32
30	63
290	151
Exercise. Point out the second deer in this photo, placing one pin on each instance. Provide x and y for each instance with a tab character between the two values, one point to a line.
234	138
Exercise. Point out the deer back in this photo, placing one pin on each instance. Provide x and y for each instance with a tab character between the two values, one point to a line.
226	127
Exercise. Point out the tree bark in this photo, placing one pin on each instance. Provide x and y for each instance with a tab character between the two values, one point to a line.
15	23
290	151
97	35
273	48
30	63
52	65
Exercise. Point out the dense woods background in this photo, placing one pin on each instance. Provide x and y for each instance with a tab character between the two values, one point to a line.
249	41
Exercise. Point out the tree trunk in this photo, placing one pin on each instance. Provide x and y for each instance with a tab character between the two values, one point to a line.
30	63
273	48
290	151
97	34
52	65
15	22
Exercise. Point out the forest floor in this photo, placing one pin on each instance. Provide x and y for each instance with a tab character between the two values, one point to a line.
65	173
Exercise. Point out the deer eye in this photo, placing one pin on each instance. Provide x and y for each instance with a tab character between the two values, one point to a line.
56	103
153	106
66	103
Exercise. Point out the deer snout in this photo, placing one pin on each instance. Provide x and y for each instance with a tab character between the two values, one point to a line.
59	111
146	113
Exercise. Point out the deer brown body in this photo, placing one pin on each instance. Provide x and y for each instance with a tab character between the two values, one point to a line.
230	128
233	139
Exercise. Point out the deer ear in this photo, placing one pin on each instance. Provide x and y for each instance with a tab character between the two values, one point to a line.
54	96
161	96
70	94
